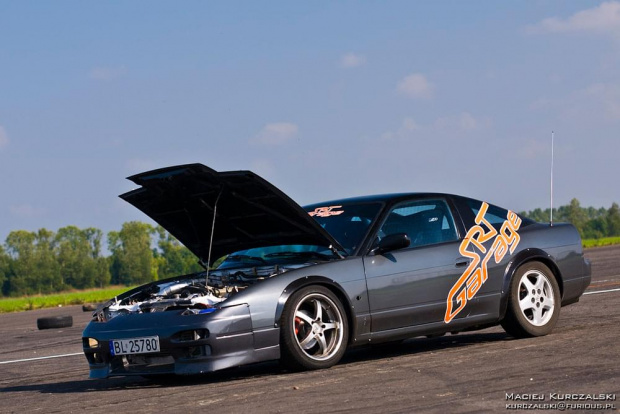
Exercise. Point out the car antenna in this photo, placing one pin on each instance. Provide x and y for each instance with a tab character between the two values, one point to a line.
551	190
211	238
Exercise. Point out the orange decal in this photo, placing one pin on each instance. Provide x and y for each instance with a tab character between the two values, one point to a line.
326	211
513	223
514	220
473	240
500	247
474	283
472	279
480	219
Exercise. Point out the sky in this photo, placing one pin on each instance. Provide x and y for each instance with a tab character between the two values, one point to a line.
324	99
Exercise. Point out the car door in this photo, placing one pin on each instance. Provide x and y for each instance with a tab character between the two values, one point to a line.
410	286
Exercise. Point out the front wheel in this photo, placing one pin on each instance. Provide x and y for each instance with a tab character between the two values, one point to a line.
314	331
533	302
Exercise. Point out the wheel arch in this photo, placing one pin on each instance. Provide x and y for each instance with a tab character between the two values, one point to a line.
523	257
330	284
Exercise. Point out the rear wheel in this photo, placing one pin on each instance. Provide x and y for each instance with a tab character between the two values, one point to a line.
533	303
314	330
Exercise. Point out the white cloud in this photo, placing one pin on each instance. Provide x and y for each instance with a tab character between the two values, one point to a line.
26	211
461	122
599	101
409	124
613	110
107	73
4	138
263	167
277	133
532	149
606	95
410	129
467	121
416	86
404	132
603	19
541	103
352	60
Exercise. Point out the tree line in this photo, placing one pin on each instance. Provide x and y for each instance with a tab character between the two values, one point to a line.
72	258
591	222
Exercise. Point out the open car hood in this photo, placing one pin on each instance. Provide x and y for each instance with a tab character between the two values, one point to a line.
251	212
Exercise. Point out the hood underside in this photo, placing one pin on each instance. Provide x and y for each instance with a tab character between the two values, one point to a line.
251	212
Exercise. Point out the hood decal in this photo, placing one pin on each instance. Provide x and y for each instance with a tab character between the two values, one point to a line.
326	211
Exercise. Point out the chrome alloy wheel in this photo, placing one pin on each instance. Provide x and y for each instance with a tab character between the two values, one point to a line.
318	326
536	297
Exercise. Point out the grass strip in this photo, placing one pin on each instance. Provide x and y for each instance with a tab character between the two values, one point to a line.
60	299
604	241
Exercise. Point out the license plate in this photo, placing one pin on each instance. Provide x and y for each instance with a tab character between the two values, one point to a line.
145	345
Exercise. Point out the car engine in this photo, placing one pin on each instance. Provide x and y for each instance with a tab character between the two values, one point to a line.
188	293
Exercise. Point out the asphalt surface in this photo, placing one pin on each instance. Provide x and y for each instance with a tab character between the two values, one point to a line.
468	372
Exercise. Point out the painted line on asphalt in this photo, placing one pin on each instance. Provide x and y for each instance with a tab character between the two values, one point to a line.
40	358
605	284
602	291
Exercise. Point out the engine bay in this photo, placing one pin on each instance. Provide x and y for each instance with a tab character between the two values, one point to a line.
192	294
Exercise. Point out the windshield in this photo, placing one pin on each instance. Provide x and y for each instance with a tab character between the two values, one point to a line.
347	223
272	255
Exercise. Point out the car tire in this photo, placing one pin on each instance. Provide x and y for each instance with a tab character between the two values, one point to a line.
89	307
533	302
314	330
55	322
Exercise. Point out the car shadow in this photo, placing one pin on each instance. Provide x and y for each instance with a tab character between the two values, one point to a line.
265	369
420	345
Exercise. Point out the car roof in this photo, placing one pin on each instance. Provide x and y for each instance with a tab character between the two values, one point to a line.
383	198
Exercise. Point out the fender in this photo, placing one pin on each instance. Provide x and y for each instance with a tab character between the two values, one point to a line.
524	256
317	280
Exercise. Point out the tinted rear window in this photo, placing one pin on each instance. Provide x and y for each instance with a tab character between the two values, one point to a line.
494	215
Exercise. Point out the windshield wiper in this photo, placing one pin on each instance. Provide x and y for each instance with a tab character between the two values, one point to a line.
315	255
240	257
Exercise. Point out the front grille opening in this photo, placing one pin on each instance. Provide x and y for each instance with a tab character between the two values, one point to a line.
94	358
148	361
193	335
137	364
197	352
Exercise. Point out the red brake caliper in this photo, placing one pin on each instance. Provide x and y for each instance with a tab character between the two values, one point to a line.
298	323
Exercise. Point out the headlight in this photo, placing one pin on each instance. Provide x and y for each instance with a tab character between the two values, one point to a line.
91	343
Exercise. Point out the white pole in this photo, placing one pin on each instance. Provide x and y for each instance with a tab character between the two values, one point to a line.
551	212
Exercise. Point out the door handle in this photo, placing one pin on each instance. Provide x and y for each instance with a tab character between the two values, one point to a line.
462	262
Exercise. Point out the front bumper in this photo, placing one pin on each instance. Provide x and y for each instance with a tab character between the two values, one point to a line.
189	344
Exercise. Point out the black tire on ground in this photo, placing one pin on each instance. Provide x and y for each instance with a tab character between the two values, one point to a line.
533	302
89	307
55	322
314	330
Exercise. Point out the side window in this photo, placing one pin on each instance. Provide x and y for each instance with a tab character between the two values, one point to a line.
424	221
494	215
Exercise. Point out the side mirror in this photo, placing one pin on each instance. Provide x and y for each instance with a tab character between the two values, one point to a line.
391	242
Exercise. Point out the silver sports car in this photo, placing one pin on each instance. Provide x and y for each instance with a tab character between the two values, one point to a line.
303	284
